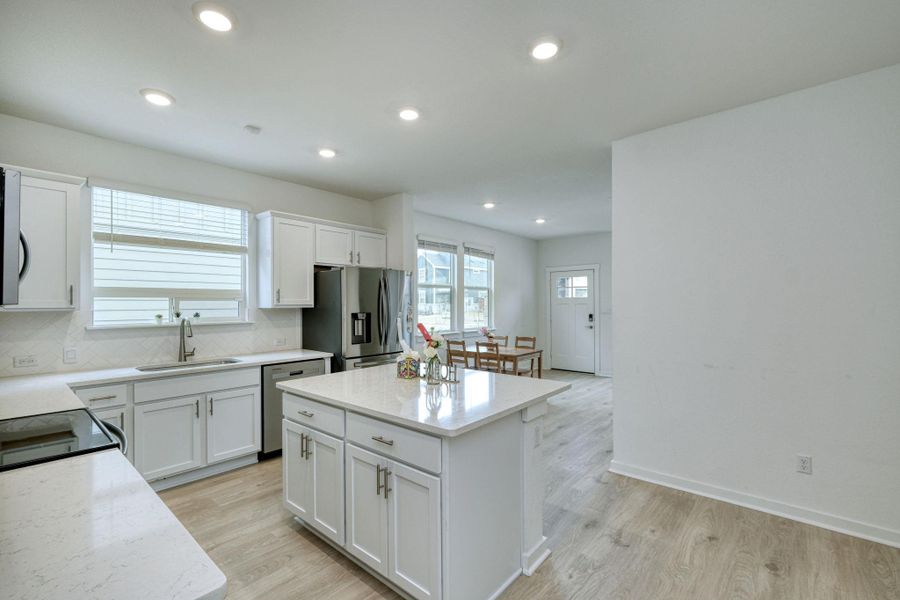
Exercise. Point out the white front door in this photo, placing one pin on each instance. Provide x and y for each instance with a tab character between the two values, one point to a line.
572	320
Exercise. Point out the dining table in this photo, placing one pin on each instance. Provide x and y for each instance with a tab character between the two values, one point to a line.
511	354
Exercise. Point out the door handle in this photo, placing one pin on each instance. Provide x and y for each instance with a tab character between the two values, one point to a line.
351	257
26	256
358	259
211	402
71	295
278	296
387	490
378	484
197	408
302	445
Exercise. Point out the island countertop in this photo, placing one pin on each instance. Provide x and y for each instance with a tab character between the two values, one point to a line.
447	410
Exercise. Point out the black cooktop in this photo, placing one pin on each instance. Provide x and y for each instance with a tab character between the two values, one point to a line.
32	440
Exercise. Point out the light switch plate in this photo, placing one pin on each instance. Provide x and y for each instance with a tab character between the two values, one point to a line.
28	360
70	355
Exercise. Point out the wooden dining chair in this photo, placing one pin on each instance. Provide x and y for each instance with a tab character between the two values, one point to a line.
529	342
487	357
456	353
501	340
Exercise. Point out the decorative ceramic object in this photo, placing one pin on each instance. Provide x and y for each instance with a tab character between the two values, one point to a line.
408	367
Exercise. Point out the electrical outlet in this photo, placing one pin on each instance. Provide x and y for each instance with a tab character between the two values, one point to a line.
70	355
280	342
804	464
29	360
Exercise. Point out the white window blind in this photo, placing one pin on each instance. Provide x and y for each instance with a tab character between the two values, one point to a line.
161	256
436	284
478	288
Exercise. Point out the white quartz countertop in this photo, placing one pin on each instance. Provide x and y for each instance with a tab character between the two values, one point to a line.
36	394
90	527
447	410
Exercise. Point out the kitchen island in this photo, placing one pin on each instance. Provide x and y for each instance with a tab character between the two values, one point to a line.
436	490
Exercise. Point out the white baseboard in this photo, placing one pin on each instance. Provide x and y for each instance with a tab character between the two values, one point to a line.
866	531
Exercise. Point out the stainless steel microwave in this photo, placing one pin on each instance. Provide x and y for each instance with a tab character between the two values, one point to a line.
13	264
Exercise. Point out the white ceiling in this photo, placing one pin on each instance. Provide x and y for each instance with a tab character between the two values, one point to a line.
495	126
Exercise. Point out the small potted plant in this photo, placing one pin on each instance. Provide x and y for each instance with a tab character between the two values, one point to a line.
159	319
196	315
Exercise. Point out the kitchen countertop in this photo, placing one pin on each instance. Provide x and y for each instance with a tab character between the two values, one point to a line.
26	395
90	527
447	410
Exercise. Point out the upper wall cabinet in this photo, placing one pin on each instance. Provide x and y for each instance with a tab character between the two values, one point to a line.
348	247
50	224
286	252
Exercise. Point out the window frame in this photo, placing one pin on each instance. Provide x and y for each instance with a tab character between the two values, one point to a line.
488	255
453	250
174	296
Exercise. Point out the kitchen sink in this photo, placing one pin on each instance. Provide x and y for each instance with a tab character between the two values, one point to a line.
188	365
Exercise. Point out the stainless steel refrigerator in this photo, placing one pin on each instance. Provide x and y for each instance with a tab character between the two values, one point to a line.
360	314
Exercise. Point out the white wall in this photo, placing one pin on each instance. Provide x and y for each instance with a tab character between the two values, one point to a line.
515	284
757	278
45	147
589	249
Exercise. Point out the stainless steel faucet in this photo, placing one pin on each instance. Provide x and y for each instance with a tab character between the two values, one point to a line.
183	353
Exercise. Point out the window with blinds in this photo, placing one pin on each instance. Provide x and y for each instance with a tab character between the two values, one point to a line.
478	288
436	283
157	258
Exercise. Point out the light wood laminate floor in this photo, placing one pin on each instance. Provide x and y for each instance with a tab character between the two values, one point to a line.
612	537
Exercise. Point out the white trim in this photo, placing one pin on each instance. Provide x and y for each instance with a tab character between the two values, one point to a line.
548	364
866	531
509	581
46	175
150	190
284	215
203	472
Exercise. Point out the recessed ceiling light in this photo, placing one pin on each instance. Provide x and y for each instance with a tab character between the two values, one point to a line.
327	153
213	16
489	205
545	50
540	221
409	114
157	97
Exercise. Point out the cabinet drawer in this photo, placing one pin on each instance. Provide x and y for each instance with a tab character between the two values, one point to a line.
315	414
413	447
185	385
104	396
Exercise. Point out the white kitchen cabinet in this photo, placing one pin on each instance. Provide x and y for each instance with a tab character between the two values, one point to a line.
168	436
314	478
286	257
232	424
367	516
349	247
370	248
334	245
414	531
50	224
394	521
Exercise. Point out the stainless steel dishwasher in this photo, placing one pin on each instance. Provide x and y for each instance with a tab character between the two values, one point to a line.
271	398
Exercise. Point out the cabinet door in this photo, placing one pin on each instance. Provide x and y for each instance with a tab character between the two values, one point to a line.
414	536
371	249
293	262
167	436
232	424
296	470
326	454
334	245
49	221
367	526
118	417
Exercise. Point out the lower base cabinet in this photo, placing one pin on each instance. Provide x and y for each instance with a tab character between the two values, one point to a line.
394	521
313	465
176	435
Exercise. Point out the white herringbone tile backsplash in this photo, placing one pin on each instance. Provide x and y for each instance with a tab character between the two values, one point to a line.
45	334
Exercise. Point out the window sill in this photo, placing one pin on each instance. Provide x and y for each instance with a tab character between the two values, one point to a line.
163	325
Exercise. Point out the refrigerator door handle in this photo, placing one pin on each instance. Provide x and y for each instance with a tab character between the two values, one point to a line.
380	312
387	310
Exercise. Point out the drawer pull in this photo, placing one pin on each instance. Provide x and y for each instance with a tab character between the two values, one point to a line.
98	398
381	439
306	413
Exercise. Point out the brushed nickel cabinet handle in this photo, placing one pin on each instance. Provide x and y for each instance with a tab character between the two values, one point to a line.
71	295
358	259
122	417
98	398
387	490
302	445
381	439
197	408
211	402
378	485
306	413
278	296
351	257
308	451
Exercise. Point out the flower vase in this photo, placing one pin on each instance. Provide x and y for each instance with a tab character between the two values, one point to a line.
433	371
